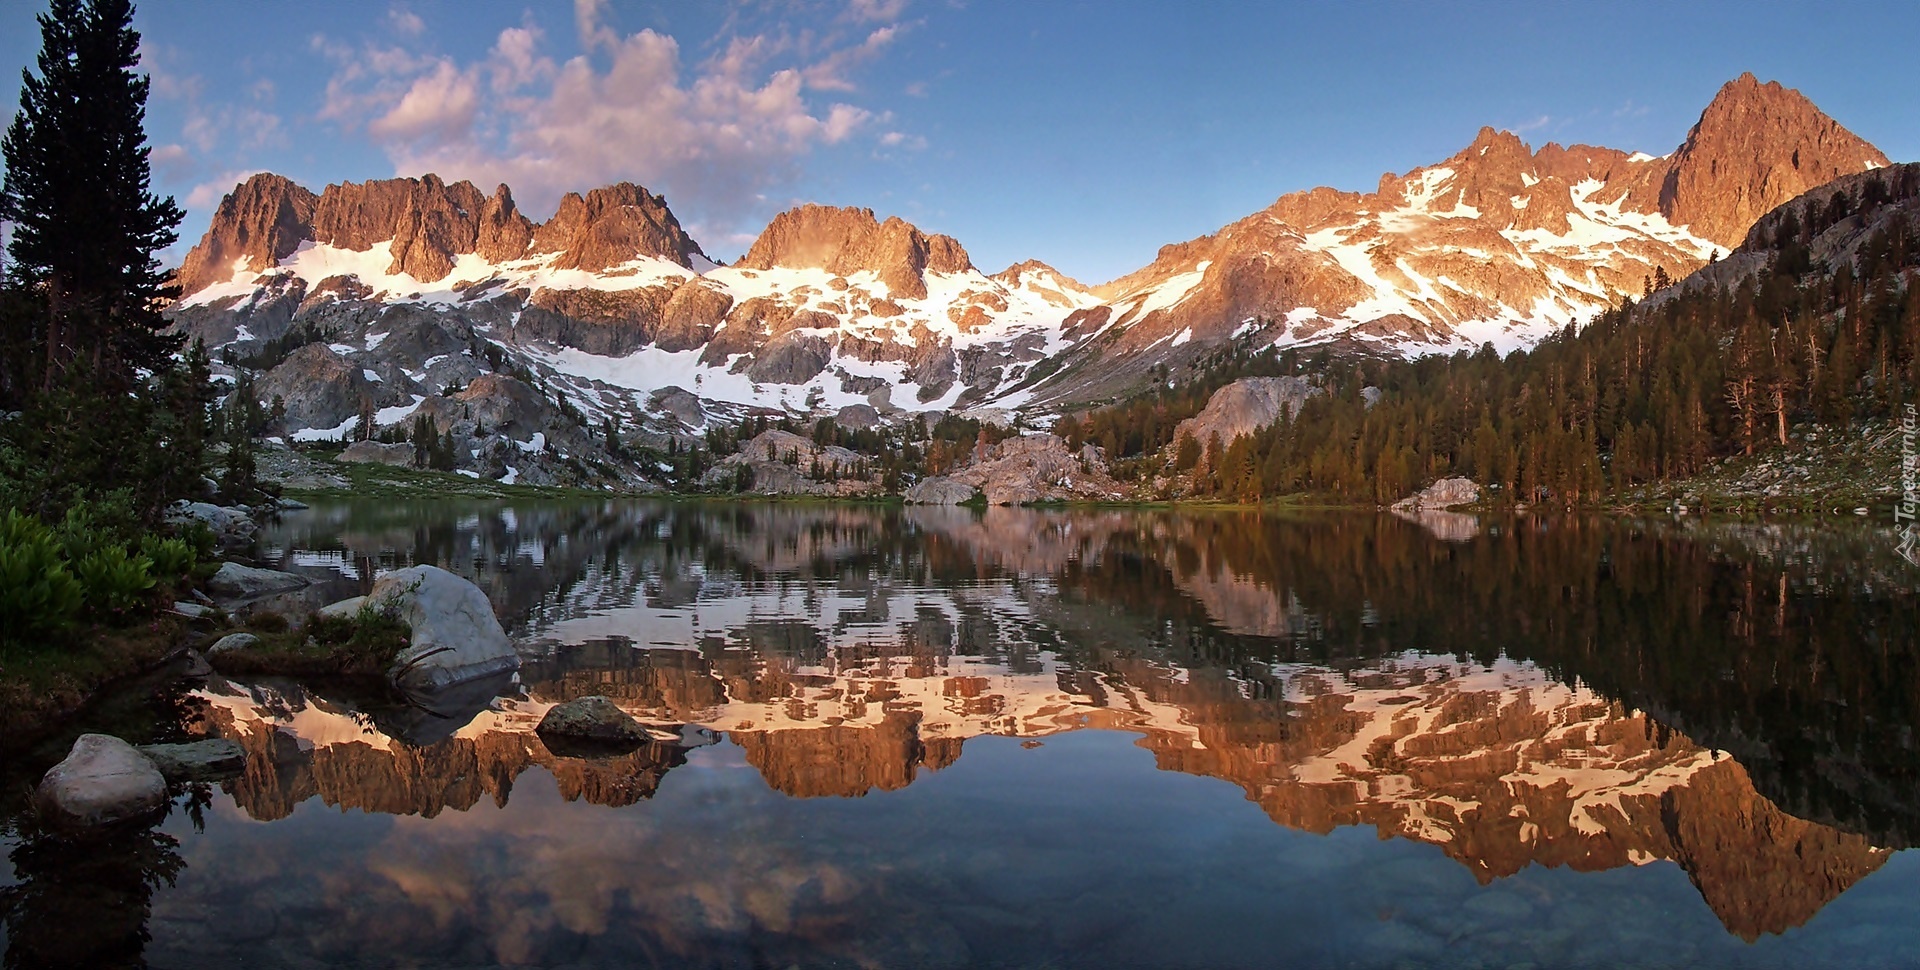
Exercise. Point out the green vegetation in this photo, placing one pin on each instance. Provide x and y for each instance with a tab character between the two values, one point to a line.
357	647
106	419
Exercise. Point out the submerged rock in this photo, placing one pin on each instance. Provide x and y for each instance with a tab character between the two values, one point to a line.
104	780
235	581
456	637
208	760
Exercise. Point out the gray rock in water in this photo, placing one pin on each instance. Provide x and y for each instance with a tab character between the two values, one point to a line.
232	642
592	719
939	490
291	505
456	637
208	760
235	581
104	780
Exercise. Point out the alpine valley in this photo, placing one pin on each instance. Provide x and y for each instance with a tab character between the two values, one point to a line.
596	347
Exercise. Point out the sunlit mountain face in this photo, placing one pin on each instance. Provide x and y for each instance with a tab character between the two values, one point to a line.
862	716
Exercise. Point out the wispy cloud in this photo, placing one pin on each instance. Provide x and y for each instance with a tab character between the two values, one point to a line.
715	132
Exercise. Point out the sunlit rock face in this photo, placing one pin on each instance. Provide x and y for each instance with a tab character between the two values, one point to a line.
1500	243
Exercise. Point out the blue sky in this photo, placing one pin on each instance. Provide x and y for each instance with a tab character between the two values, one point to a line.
1085	134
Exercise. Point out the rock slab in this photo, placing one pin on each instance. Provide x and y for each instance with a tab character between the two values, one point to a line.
104	780
456	637
208	760
235	581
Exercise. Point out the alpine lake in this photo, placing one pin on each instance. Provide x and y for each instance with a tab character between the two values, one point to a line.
940	737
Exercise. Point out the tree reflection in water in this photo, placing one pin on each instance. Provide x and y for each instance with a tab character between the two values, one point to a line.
1581	694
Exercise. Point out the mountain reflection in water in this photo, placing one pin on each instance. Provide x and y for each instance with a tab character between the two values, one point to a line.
1587	695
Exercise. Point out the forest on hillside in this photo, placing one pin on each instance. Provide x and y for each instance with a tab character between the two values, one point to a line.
1653	390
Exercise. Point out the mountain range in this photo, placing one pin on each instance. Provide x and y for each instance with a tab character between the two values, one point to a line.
413	285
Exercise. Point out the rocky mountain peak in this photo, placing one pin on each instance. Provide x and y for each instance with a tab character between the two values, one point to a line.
611	225
1755	147
262	221
844	241
504	233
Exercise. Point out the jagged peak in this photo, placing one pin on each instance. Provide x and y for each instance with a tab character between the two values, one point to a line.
847	240
1011	275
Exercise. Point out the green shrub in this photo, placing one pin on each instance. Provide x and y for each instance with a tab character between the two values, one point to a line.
172	558
37	593
114	580
91	525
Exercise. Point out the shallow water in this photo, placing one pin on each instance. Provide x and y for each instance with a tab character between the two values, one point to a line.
941	738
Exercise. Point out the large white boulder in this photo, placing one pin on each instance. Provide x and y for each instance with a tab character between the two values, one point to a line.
456	637
103	781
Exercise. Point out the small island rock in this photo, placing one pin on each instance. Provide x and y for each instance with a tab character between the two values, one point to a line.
594	718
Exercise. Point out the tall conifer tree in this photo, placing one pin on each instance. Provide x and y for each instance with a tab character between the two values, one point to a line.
86	224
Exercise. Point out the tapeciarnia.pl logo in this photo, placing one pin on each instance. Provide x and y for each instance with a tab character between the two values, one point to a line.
1904	514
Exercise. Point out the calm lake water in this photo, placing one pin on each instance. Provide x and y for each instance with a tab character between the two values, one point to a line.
1020	738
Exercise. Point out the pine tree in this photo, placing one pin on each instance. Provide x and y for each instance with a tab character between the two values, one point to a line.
77	189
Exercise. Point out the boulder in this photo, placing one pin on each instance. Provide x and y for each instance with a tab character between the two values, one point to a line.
230	526
195	611
210	760
377	453
939	490
235	581
456	637
232	642
857	417
1442	494
342	609
593	718
104	780
1244	407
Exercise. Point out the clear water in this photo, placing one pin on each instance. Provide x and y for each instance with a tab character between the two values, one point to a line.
1021	738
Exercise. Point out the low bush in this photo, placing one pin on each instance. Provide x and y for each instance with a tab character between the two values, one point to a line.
115	580
172	558
38	595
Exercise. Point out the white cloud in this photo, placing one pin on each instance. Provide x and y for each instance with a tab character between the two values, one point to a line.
876	10
900	139
208	194
712	135
405	22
